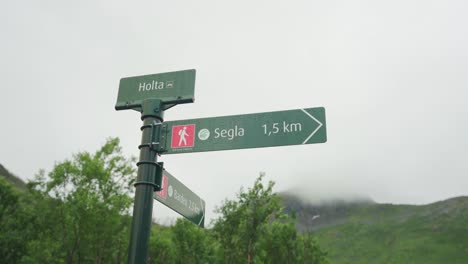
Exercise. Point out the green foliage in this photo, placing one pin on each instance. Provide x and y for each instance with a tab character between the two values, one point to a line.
162	248
255	229
192	243
11	247
78	213
81	214
250	229
279	243
182	243
242	221
436	233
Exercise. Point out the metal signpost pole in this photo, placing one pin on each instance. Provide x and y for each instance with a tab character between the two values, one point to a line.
146	184
150	95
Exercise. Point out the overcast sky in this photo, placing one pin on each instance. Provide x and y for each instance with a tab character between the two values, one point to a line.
392	76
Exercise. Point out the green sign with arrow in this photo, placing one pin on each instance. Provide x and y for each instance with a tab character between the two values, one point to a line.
281	128
181	199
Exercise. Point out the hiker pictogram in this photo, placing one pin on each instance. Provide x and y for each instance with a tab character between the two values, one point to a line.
183	136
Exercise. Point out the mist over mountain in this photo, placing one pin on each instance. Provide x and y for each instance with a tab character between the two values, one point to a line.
356	229
315	196
315	212
316	191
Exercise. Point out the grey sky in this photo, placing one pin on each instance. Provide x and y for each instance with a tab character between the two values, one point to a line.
392	76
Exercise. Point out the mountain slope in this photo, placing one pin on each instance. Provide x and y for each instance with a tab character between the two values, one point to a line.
12	178
366	232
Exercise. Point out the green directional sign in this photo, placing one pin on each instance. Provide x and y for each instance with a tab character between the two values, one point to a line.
181	199
281	128
170	87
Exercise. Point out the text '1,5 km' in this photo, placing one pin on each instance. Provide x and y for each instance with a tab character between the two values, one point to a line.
280	128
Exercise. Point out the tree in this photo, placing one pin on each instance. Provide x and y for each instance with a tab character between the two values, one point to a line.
279	243
11	238
183	243
240	225
192	243
310	251
89	195
162	248
255	229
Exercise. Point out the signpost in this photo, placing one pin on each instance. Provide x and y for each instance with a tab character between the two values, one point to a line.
170	87
181	199
281	128
151	95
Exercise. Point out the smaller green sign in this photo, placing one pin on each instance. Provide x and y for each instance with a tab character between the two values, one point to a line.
170	87
181	199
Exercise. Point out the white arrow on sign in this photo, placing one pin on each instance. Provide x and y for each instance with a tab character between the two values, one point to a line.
203	211
315	131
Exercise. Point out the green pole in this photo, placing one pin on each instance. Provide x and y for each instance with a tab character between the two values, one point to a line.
152	116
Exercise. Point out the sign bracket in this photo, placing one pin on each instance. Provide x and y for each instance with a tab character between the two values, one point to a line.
154	143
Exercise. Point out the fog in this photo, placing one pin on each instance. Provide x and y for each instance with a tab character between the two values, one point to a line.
391	76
